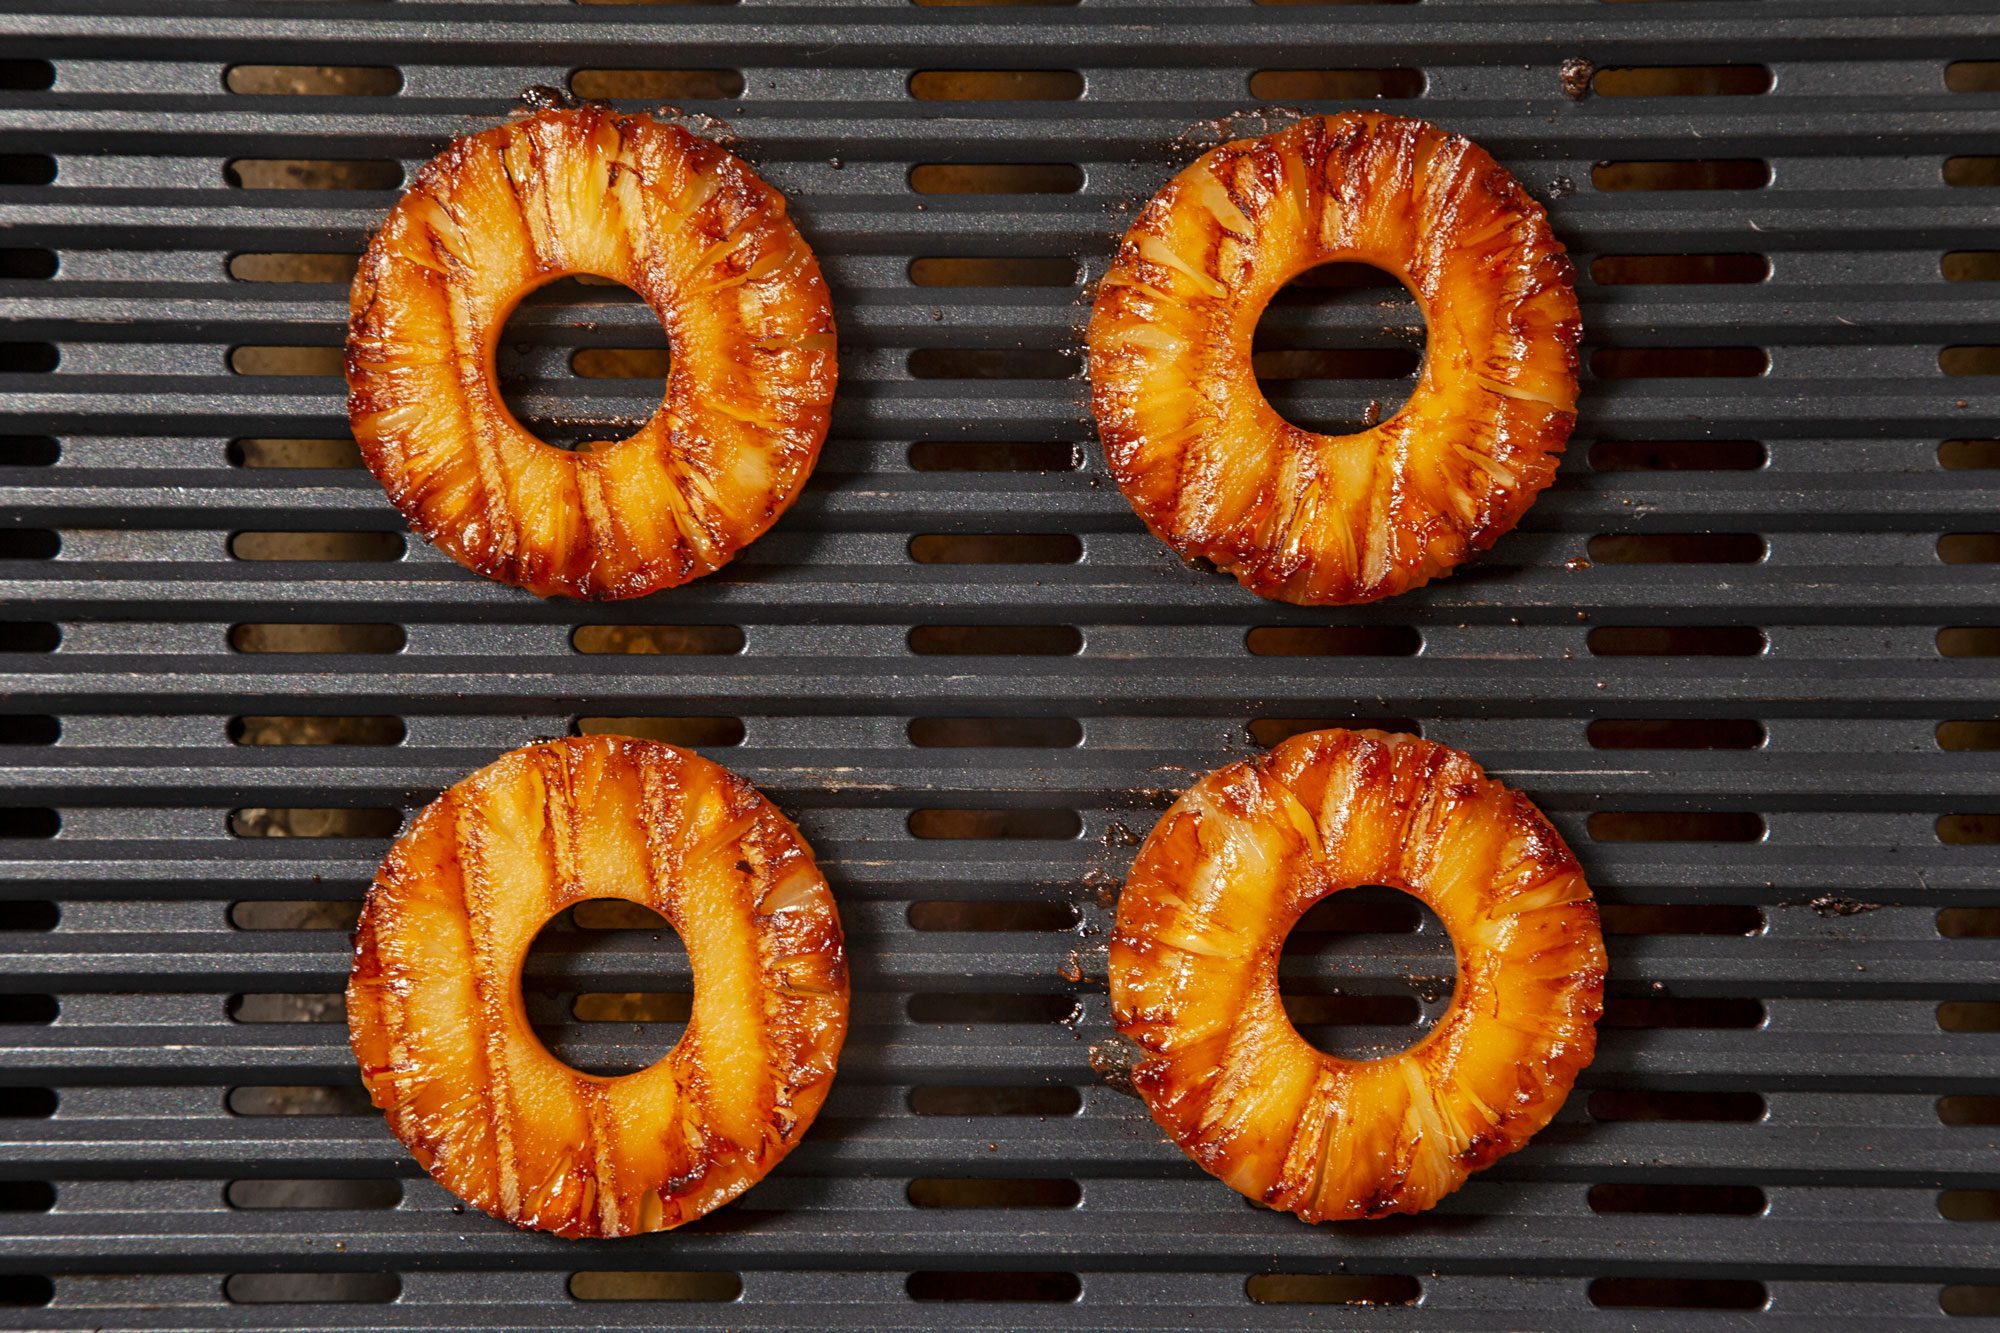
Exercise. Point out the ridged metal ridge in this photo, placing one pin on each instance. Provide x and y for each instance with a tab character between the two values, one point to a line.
1845	1053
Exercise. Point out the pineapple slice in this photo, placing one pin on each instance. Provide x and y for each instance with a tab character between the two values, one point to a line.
437	1021
1213	469
1194	973
687	226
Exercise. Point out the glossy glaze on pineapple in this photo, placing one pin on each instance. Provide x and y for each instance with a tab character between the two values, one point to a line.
711	249
1194	973
1213	469
437	1021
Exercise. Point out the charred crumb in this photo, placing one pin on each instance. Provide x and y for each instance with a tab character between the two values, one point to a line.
1562	187
1117	835
1071	969
1115	1060
1576	563
1575	75
1828	904
539	97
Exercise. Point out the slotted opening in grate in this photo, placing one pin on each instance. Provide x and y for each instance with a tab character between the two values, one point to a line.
1677	455
996	85
687	730
993	456
656	84
996	178
1681	80
978	1099
1676	826
311	173
1290	85
1619	1105
1333	1289
1678	1293
1642	174
309	1193
654	1284
993	1192
298	1288
995	640
1706	1200
1039	1286
313	80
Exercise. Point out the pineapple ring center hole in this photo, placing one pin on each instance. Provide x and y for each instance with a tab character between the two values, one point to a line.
1330	975
583	360
575	1018
1338	348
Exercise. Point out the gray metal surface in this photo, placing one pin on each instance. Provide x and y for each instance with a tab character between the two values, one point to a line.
1797	991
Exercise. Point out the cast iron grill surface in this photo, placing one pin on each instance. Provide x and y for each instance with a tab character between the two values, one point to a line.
1742	653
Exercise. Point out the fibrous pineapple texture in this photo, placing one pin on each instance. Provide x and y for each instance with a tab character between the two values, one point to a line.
436	1016
1213	469
1194	973
712	250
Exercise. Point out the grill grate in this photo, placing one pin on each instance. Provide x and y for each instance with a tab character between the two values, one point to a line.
1742	652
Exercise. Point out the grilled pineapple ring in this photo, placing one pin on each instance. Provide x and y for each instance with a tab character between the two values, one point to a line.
680	221
436	1016
1213	469
1194	973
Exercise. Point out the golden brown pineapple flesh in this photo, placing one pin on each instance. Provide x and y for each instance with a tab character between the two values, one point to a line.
1194	973
711	249
438	1024
1213	469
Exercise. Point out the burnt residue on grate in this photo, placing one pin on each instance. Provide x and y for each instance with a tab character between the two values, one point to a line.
1742	651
